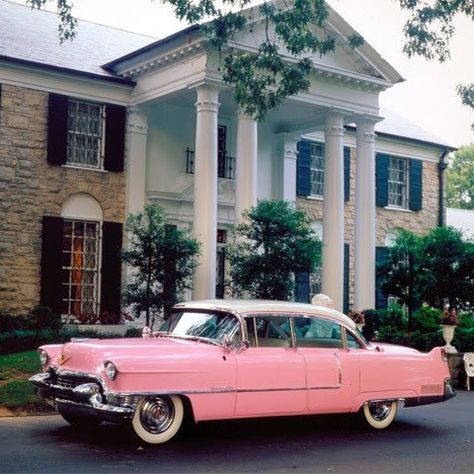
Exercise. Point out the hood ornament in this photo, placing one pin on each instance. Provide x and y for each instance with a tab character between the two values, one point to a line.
63	358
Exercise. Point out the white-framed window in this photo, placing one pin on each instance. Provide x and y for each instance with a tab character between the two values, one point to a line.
80	267
86	126
398	183
317	169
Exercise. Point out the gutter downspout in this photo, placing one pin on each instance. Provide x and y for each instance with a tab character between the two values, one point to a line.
442	165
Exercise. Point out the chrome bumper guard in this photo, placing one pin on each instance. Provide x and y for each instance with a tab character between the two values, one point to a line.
86	398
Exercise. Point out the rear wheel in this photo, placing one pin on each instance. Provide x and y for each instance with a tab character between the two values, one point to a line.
380	413
158	418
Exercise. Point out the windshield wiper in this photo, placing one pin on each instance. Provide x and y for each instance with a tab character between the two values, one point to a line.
195	338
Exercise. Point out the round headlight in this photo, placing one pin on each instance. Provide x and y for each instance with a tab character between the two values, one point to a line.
110	370
43	356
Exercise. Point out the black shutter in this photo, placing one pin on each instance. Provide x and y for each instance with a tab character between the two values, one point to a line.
346	279
303	172
111	268
302	287
115	116
57	129
381	254
347	173
381	179
51	262
416	185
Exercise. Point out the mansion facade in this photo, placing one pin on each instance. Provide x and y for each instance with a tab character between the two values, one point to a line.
91	134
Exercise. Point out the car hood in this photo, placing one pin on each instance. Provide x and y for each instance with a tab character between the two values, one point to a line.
89	356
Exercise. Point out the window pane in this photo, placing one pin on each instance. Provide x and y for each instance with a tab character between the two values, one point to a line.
317	332
272	331
85	130
398	183
317	169
80	268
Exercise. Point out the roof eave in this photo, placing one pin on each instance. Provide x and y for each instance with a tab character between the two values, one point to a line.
441	146
50	67
112	65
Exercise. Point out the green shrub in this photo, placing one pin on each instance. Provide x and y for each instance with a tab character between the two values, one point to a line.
10	323
466	321
24	340
43	317
375	319
463	339
427	319
133	332
392	335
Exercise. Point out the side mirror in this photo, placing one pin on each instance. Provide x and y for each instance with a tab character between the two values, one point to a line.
235	346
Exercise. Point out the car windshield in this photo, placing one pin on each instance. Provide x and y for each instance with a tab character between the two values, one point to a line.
209	326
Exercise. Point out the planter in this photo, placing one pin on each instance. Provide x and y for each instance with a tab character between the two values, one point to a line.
448	334
456	369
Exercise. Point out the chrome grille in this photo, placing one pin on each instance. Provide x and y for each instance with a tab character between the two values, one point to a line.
70	381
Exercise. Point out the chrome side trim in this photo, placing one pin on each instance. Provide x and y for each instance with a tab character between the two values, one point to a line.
219	390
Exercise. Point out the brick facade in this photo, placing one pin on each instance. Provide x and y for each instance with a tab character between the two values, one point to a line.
31	188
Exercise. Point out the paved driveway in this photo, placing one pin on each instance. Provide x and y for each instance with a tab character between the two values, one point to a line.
434	438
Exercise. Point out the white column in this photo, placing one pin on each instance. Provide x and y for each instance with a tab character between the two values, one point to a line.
205	191
364	264
136	137
288	154
333	211
245	164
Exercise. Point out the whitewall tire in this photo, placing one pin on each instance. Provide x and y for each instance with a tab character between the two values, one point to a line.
380	413
158	418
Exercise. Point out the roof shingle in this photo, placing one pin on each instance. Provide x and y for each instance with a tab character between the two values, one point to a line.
28	35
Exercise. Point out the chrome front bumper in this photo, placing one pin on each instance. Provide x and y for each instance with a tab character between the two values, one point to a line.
85	399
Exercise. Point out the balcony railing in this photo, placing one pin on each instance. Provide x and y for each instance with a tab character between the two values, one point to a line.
225	164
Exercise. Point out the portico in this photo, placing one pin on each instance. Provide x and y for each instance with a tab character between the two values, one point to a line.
185	105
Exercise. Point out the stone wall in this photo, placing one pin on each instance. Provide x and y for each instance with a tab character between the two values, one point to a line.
30	187
387	220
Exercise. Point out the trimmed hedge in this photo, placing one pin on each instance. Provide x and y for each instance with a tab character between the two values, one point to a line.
390	325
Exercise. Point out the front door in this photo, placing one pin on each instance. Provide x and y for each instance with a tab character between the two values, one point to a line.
270	373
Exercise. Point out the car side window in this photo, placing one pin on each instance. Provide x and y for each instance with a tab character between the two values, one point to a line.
317	332
352	342
269	331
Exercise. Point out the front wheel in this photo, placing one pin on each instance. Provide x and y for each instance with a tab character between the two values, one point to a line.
380	413
158	418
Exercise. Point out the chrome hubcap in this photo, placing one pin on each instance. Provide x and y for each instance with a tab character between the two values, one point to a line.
157	414
380	409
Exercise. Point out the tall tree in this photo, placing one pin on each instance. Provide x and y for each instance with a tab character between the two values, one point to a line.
399	273
446	269
272	242
429	30
161	258
460	179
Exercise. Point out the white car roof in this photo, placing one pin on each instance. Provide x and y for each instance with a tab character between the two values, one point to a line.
252	306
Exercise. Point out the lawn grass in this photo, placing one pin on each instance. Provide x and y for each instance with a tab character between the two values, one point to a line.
16	393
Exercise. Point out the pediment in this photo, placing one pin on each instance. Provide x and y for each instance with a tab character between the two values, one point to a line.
363	60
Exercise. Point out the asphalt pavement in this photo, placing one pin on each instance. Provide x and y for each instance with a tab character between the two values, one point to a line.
431	439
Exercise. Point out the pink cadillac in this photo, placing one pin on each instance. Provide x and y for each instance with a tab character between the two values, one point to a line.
224	359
